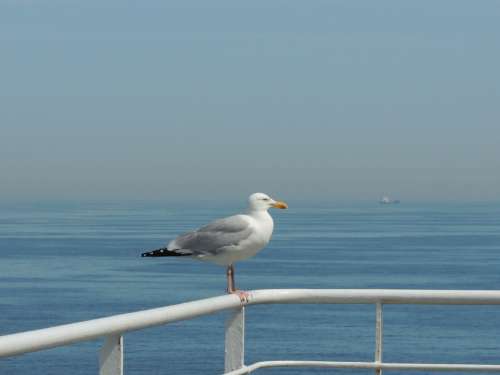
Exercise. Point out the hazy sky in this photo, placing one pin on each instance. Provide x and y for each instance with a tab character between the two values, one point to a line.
335	100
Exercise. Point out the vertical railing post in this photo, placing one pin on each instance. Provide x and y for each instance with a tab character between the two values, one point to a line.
111	356
379	327
234	358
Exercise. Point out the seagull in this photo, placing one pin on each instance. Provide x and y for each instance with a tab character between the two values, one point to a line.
228	240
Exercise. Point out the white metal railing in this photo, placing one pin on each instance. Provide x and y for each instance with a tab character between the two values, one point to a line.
112	328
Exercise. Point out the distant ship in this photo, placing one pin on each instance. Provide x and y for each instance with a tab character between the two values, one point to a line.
386	200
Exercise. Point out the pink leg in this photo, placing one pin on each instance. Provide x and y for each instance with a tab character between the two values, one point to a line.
230	279
231	287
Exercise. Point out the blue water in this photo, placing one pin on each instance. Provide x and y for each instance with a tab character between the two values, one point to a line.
62	263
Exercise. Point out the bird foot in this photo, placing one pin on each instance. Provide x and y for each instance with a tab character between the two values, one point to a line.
244	296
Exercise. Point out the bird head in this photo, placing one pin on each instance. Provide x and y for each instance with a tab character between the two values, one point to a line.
262	202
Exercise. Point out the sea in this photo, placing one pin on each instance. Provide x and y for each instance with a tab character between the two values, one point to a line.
63	262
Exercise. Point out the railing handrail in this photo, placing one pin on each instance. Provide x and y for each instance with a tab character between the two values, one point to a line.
30	341
40	339
373	296
366	365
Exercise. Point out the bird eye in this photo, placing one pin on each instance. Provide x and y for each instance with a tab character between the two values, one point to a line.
265	199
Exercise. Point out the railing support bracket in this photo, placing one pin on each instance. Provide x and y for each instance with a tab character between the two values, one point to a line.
379	335
111	356
234	358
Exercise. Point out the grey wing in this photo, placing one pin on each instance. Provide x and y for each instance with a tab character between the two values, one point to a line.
213	237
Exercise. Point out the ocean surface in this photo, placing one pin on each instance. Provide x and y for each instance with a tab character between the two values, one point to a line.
66	262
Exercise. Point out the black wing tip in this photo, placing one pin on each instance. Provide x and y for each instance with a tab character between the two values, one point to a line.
155	253
163	252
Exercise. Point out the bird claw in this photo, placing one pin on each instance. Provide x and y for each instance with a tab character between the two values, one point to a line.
243	296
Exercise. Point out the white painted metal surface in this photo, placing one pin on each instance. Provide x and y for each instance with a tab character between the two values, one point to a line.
111	356
366	365
31	341
234	356
113	327
372	296
379	327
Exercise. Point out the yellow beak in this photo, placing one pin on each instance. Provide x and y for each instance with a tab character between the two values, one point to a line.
280	204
